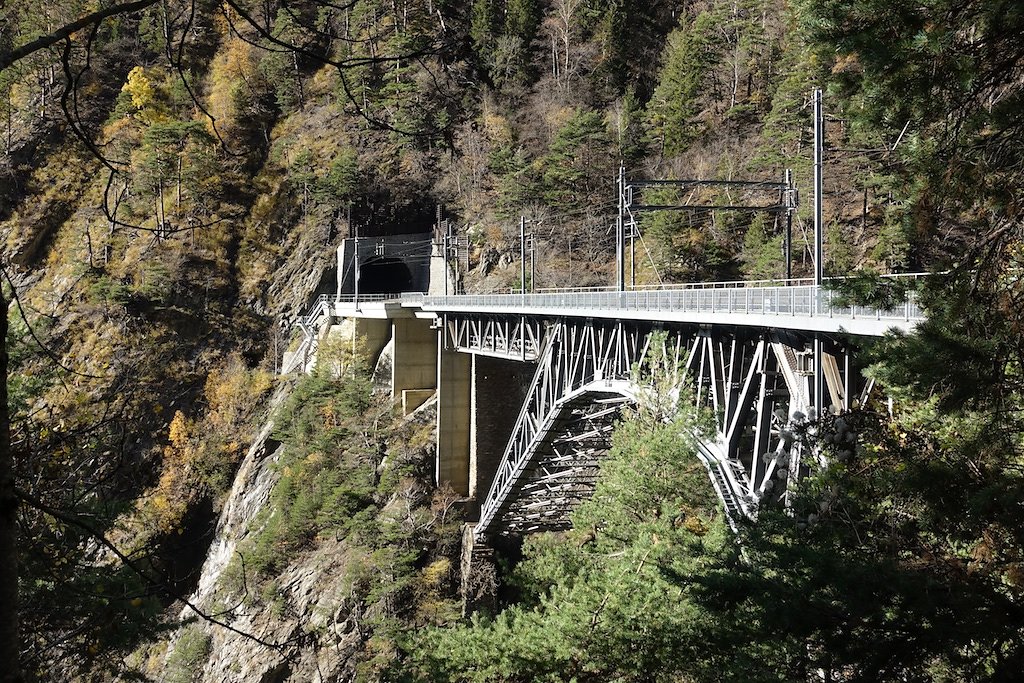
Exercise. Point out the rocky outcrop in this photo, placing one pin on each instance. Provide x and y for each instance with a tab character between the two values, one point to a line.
313	619
311	623
249	494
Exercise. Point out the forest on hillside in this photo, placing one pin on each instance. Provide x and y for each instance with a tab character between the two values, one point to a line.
175	176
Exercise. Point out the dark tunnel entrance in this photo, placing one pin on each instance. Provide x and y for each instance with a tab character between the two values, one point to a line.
384	275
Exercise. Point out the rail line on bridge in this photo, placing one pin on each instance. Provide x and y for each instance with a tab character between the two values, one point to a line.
765	358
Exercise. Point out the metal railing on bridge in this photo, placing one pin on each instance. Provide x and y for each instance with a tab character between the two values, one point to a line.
722	284
793	298
799	300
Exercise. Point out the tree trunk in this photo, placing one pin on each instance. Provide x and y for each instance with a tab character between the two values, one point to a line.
10	672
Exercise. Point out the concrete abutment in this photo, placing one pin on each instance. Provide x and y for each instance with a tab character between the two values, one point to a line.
414	366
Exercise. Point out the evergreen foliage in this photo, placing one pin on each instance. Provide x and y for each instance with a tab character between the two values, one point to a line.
762	256
486	23
690	53
613	599
351	474
575	161
522	18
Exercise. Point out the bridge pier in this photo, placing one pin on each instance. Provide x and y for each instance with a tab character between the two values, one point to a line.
414	365
372	333
454	400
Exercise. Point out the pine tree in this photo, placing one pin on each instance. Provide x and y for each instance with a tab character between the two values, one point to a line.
690	52
522	18
485	27
572	168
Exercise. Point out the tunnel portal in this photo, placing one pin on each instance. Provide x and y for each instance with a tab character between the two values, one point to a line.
385	275
386	265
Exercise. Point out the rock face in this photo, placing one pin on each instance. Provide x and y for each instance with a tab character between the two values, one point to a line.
248	495
310	631
311	625
309	622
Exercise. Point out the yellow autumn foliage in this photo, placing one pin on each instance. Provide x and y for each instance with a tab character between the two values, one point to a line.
169	500
496	127
178	431
233	66
232	390
436	572
139	87
144	96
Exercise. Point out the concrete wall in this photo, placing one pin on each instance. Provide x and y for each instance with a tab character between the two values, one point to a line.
414	370
414	398
370	337
453	418
373	334
439	273
499	390
415	362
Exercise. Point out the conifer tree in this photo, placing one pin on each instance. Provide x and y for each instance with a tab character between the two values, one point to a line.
690	52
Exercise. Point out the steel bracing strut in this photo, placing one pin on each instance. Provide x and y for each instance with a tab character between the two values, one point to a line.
757	384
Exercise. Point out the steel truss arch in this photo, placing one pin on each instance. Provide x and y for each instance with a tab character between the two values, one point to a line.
758	384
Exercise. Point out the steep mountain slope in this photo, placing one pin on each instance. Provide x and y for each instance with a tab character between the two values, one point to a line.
160	258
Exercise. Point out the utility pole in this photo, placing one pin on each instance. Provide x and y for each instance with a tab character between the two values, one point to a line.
355	256
533	259
620	236
444	260
790	208
819	270
819	143
632	254
522	254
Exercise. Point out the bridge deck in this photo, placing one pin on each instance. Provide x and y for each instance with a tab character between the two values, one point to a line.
803	307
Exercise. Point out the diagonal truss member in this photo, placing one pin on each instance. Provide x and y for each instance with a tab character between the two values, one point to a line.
757	385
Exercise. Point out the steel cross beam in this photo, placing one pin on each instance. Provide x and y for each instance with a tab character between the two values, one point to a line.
785	187
757	385
502	336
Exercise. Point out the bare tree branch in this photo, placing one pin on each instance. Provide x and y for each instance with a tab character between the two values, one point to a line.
68	30
45	349
75	521
71	91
